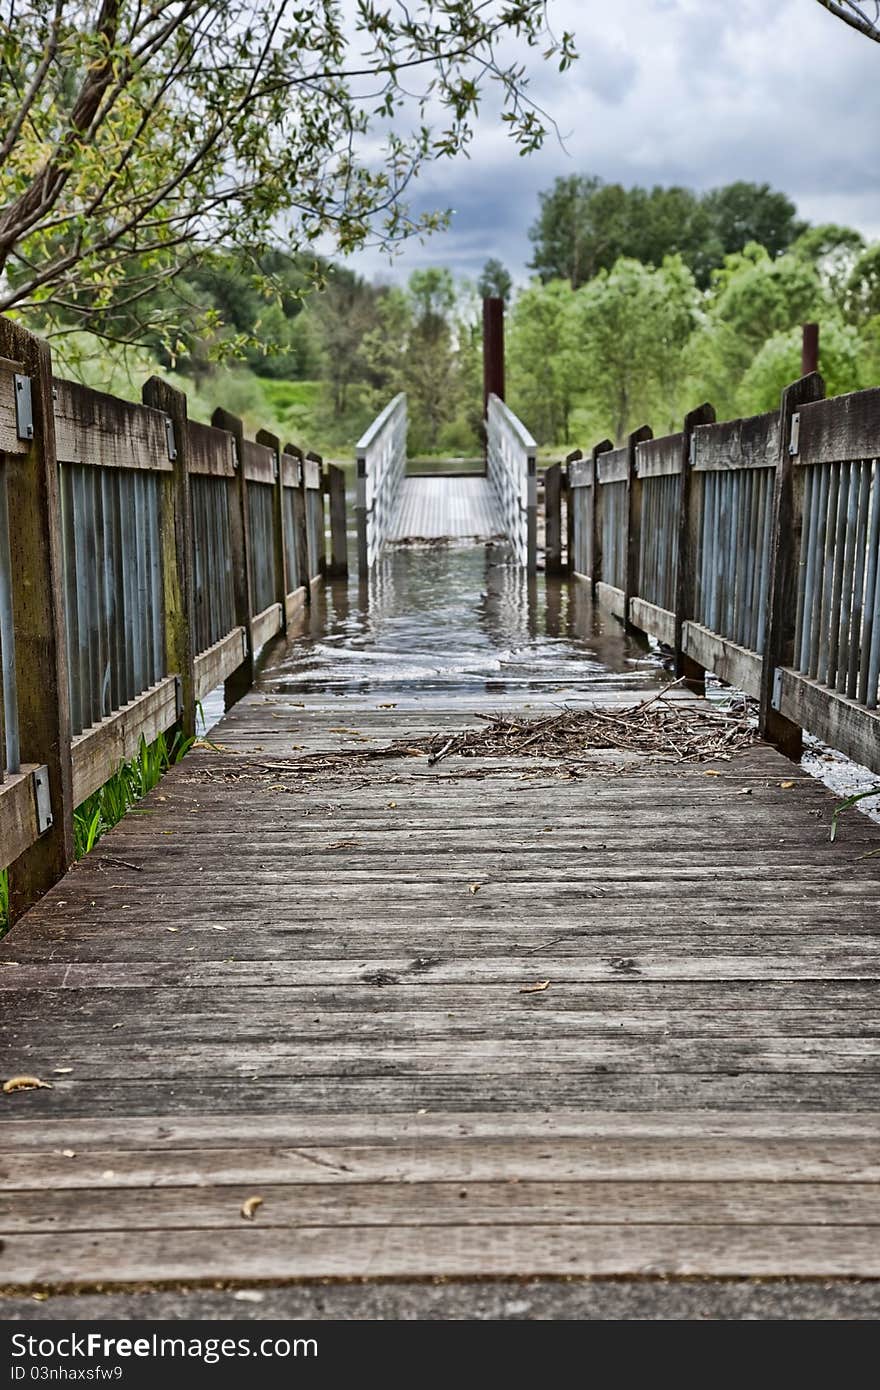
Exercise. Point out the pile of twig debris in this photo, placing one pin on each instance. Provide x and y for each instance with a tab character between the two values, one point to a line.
682	731
674	730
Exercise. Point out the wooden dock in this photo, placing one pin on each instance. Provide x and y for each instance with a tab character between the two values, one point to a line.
480	1020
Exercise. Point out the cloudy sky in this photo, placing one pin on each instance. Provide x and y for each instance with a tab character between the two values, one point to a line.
695	92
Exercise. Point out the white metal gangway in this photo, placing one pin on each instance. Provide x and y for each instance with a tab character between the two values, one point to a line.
496	503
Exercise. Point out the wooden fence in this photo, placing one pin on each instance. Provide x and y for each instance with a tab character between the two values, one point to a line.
751	547
144	559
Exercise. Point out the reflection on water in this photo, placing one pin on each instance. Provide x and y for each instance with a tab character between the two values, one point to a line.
455	620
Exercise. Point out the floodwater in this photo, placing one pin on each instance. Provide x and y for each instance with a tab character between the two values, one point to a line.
454	621
462	624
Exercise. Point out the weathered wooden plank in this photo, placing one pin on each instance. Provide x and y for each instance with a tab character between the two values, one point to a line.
219	661
176	535
752	442
94	428
99	751
553	519
647	617
659	458
785	546
519	972
19	827
295	1205
580	473
612	466
311	467
9	440
112	1257
338	566
273	444
419	1016
632	542
294	604
690	523
842	723
842	427
239	681
35	565
730	662
442	1156
290	469
258	462
437	1154
259	1094
211	450
534	1060
265	625
512	1132
611	598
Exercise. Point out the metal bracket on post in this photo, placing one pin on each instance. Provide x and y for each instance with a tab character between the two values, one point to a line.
178	696
169	438
24	408
794	438
776	697
43	799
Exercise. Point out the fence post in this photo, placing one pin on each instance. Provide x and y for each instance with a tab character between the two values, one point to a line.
493	350
781	589
335	485
36	565
239	682
322	528
175	530
596	512
690	512
573	457
553	519
271	441
633	516
299	511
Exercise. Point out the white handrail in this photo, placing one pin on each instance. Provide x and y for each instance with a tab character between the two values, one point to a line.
511	466
381	465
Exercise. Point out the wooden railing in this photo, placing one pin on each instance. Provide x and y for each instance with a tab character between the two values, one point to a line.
511	459
381	465
144	559
752	548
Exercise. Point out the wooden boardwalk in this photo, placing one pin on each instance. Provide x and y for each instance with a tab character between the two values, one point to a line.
451	506
477	1020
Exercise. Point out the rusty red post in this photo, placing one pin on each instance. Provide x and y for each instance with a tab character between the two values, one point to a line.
810	349
493	350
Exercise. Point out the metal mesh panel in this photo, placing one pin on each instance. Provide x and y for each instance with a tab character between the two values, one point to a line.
112	587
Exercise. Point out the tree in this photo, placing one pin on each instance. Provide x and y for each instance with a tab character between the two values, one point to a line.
562	236
133	137
743	212
834	251
494	281
585	225
413	349
542	348
634	323
778	363
863	285
753	298
856	15
345	312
